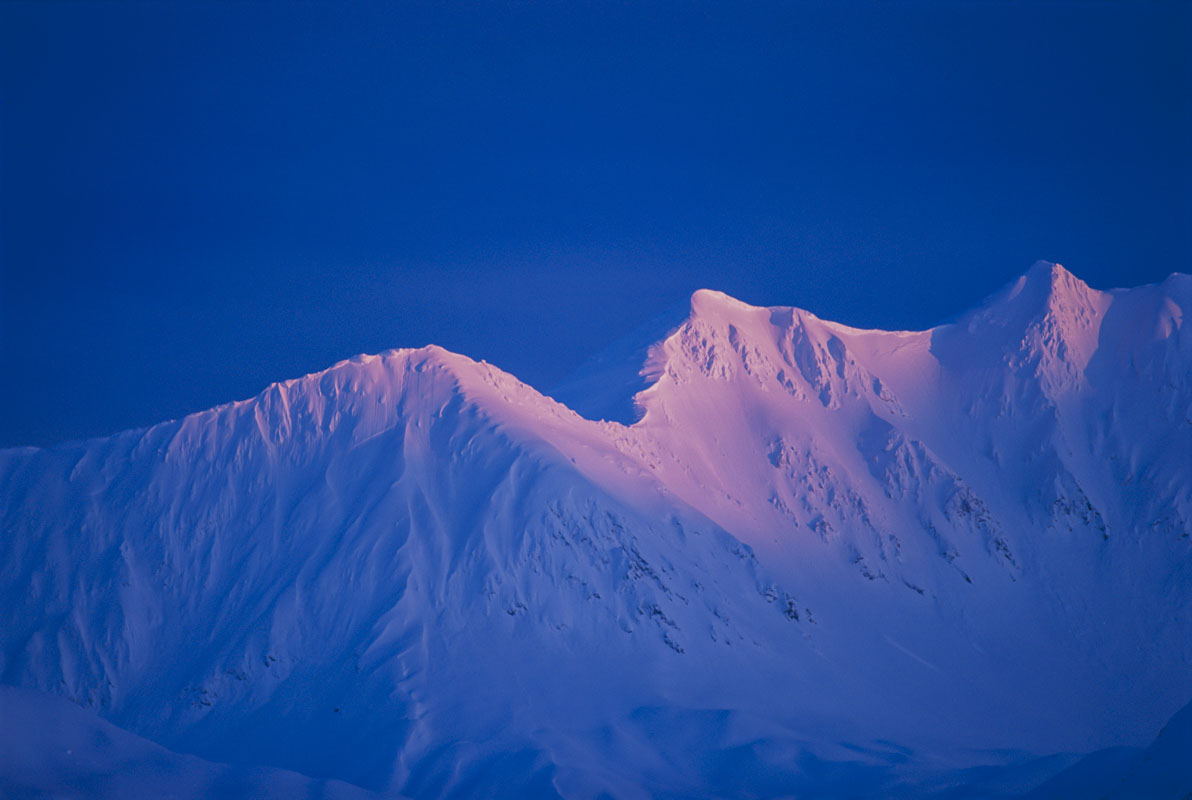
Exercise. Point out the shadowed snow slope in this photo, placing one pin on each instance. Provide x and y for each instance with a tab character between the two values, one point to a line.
825	561
50	748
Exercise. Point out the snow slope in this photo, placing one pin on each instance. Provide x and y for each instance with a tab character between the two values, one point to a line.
825	561
50	748
1161	770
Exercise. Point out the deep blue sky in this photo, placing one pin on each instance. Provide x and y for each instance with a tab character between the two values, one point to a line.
196	200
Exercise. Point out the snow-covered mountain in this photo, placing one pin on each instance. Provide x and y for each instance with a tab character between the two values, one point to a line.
822	562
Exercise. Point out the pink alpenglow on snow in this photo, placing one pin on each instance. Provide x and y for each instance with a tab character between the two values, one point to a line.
820	561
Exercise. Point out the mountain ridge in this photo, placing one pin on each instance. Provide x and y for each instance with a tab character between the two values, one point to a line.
905	531
701	301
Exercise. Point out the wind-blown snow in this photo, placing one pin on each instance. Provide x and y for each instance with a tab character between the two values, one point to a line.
824	560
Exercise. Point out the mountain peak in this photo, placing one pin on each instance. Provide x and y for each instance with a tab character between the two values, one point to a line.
1053	280
1048	269
1047	320
709	303
1045	291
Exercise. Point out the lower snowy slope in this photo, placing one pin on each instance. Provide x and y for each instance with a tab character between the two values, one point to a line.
824	562
50	748
1163	769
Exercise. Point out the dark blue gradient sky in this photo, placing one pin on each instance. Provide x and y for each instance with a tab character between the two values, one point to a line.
196	200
